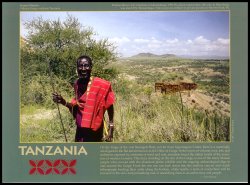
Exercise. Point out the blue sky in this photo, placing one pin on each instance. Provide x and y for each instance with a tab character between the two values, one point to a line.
180	33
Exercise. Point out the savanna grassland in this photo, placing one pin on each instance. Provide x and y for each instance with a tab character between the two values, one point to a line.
146	115
48	56
143	114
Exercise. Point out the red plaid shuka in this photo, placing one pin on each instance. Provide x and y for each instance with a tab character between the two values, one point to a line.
93	103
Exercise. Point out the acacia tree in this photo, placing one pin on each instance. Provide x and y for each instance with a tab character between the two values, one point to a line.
61	43
55	45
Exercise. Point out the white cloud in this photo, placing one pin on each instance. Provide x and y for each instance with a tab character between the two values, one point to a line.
119	40
223	41
189	42
141	40
201	40
152	45
174	41
198	46
155	41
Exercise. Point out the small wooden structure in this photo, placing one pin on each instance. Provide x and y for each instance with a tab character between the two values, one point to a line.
171	88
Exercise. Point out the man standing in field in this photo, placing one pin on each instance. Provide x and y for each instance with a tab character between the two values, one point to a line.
93	96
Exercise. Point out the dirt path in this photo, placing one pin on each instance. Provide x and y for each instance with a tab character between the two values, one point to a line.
201	101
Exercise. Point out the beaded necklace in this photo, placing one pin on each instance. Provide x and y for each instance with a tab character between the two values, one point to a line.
88	89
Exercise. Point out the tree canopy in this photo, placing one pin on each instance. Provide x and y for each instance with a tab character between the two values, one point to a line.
54	45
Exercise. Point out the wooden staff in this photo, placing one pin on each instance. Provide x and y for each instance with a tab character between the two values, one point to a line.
53	88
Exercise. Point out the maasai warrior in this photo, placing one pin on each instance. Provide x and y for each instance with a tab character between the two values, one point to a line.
93	96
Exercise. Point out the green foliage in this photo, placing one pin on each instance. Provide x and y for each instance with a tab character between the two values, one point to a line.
168	77
105	73
61	43
38	90
49	53
122	86
43	125
159	118
141	115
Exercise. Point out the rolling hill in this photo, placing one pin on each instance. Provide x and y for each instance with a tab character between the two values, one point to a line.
151	55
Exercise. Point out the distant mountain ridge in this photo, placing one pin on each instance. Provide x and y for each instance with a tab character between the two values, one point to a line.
153	55
204	57
148	55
